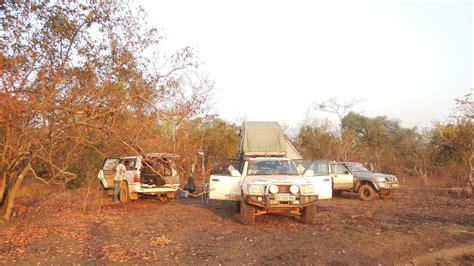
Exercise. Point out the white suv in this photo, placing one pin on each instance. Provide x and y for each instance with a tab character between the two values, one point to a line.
153	175
265	185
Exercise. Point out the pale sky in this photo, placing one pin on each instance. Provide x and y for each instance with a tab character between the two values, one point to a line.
270	60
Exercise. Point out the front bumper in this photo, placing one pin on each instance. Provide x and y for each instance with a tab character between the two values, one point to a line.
384	186
280	201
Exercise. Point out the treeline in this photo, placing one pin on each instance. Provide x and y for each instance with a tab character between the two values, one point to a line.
441	155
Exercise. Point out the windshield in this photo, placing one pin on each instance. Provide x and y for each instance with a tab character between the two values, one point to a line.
357	167
271	167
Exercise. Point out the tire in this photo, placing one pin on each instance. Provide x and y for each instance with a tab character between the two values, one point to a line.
387	194
163	198
367	192
247	213
308	214
124	195
337	193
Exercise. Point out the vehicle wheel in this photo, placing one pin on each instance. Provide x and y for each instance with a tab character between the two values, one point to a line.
247	213
387	194
366	192
133	195
124	193
163	198
337	193
308	214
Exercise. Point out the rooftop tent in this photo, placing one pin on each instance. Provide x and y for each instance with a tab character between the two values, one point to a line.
262	139
292	153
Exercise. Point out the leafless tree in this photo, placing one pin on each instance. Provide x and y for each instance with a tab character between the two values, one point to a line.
333	106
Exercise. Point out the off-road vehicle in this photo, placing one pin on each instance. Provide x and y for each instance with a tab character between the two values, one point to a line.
355	177
153	175
264	179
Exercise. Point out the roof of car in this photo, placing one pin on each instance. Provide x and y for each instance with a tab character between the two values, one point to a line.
268	158
152	155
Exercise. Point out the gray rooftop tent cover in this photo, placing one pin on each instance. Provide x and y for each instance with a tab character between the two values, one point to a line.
265	139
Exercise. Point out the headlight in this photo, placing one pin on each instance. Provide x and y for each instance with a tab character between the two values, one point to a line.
307	189
294	189
256	190
380	180
273	189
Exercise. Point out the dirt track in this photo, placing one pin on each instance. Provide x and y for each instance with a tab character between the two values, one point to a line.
417	226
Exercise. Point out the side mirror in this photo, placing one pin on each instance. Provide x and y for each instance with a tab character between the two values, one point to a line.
345	172
309	173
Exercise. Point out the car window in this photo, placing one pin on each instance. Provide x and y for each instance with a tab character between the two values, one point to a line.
110	164
221	168
163	166
130	164
338	169
271	167
319	167
357	167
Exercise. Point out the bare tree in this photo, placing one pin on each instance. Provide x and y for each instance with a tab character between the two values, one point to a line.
64	92
333	106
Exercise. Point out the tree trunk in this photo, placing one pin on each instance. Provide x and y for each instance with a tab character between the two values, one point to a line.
471	174
13	191
3	187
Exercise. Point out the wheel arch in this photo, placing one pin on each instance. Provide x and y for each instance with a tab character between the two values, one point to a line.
123	181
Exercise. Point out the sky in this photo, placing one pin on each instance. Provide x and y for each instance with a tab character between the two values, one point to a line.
272	60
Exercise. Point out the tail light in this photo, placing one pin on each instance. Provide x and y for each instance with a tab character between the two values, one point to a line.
136	179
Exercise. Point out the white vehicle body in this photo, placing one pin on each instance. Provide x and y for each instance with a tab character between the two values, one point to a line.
318	173
231	186
135	179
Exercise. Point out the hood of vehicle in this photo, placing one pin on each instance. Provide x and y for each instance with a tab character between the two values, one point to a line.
372	176
268	179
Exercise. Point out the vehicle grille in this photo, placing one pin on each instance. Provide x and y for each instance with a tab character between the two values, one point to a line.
283	188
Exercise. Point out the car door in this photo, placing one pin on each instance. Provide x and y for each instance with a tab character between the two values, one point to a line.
131	168
342	179
224	182
317	172
108	171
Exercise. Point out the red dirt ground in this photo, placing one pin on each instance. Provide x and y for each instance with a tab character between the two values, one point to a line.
417	226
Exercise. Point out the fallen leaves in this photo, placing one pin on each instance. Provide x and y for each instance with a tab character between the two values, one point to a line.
159	241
